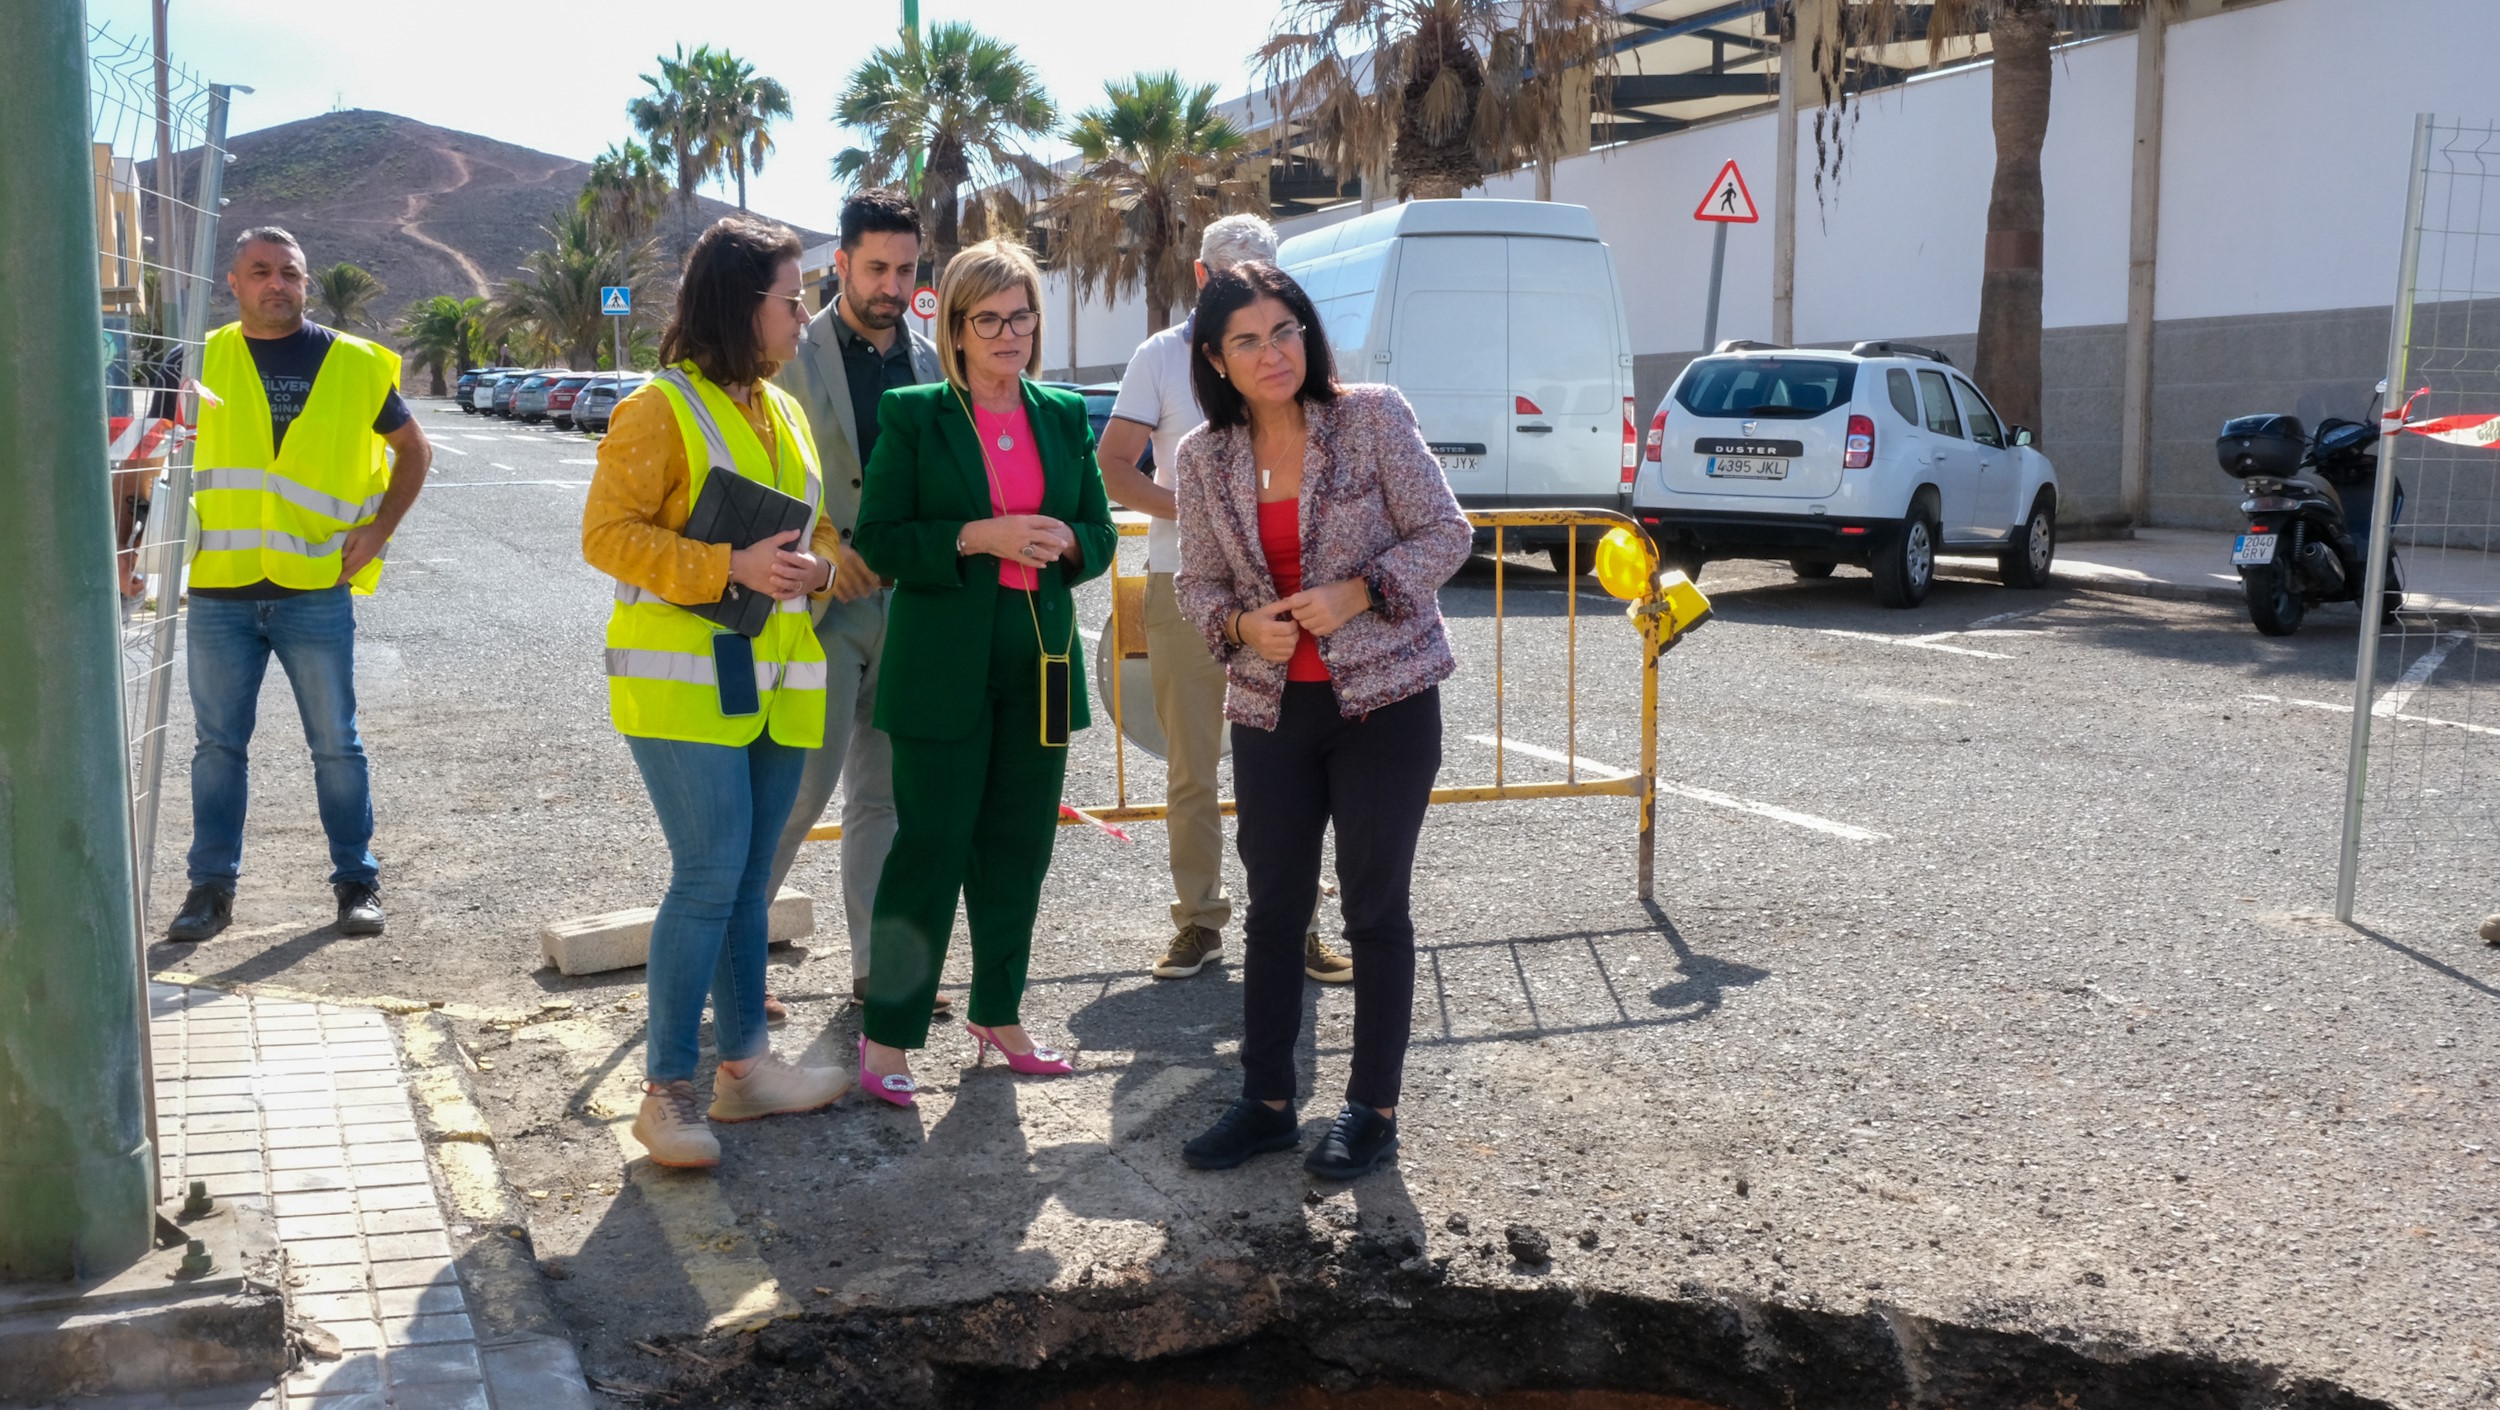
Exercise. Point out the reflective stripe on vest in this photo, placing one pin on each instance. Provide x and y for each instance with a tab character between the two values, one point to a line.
302	496
697	668
633	596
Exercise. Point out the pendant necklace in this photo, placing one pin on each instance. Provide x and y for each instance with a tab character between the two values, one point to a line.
1005	441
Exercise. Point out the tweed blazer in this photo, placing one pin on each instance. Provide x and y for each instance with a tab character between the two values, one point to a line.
1374	504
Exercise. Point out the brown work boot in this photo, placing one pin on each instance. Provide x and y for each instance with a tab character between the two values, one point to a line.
773	1087
1194	947
1324	964
671	1127
938	1006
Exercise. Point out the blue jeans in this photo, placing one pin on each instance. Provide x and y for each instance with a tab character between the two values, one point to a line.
721	809
230	643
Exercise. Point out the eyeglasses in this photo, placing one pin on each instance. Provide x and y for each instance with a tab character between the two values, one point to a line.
990	325
1252	345
797	302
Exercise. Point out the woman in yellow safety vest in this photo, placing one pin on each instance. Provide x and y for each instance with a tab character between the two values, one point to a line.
719	749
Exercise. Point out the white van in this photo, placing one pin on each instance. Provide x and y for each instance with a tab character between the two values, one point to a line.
1502	323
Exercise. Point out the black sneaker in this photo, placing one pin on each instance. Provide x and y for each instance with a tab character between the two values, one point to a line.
1356	1143
360	907
1247	1128
206	910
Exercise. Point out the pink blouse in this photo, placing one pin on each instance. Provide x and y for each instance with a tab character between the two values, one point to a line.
1015	470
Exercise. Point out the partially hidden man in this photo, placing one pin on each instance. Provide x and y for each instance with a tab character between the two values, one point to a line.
296	500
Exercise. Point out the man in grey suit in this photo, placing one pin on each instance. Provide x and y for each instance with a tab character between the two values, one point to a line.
851	354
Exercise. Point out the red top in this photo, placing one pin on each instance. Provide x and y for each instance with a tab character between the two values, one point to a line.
1280	538
1016	487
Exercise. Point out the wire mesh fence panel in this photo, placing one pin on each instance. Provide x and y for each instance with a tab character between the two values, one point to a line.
157	136
2422	833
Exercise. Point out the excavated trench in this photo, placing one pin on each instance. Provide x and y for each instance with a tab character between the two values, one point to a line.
1398	1336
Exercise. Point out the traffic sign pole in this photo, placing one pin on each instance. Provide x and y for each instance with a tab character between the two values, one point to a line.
1718	267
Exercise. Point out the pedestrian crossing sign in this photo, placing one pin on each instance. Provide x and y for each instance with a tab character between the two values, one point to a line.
616	300
1729	202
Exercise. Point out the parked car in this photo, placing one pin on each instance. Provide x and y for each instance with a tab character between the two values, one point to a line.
475	386
597	401
560	396
530	402
1502	322
1098	400
1883	455
499	401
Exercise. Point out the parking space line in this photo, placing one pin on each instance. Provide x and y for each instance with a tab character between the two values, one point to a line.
2345	707
453	448
497	484
2416	676
2002	618
1711	796
1922	643
577	462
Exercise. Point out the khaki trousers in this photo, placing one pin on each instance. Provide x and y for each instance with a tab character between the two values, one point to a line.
1189	703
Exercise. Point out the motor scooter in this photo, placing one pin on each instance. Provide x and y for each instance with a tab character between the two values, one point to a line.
2307	535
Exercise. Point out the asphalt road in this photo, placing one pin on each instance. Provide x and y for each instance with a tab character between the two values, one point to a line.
1987	977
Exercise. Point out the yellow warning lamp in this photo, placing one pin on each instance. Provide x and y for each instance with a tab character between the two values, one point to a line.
1624	563
1678	608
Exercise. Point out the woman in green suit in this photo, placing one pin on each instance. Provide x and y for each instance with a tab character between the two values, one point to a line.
984	505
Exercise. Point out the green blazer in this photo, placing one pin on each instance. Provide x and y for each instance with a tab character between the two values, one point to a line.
925	482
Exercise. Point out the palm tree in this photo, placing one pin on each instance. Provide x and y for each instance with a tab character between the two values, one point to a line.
740	106
627	189
344	294
675	119
1436	92
441	330
959	99
556	305
1158	167
2020	33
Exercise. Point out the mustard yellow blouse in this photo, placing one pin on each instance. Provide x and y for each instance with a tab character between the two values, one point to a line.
638	505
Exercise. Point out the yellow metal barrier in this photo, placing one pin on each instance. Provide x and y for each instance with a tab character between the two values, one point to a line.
1669	607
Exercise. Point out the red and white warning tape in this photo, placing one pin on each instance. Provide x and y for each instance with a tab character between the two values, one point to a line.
2479	429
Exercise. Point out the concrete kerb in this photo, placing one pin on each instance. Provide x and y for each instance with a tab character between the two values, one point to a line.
622	939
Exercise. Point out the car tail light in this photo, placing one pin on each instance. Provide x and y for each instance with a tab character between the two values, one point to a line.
1521	406
1631	443
1861	451
1657	437
1852	530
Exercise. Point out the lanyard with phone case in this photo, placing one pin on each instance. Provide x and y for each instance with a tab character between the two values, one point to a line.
1057	677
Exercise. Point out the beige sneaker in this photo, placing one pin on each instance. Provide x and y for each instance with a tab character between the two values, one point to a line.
672	1129
1324	964
1193	949
2491	929
772	1087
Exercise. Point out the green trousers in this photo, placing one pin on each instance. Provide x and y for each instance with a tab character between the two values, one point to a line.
975	818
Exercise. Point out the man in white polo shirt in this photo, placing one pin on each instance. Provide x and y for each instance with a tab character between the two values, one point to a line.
1156	405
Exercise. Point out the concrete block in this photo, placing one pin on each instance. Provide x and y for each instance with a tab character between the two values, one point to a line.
622	939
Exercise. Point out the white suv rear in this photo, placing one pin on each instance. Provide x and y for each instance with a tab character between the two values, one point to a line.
1884	455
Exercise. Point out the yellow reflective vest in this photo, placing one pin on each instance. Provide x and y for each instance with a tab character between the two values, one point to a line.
660	678
283	515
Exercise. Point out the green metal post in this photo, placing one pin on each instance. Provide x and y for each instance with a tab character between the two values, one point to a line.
75	1187
911	28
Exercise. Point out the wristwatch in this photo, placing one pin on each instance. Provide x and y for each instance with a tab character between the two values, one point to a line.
1377	597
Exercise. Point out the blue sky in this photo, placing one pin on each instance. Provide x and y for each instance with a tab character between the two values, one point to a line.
557	77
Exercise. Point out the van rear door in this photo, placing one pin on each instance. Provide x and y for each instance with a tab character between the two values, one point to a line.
1566	443
1450	355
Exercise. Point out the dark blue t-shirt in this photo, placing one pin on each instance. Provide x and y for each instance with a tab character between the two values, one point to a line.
287	367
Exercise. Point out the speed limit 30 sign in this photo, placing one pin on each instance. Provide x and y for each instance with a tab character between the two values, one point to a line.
924	303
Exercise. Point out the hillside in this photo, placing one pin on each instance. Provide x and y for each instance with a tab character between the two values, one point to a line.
428	210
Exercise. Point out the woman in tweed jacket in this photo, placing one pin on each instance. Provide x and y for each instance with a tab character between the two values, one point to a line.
1316	531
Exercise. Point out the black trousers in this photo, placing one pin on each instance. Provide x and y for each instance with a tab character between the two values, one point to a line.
1371	777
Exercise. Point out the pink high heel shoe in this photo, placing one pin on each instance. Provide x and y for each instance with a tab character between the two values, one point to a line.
898	1088
1041	1062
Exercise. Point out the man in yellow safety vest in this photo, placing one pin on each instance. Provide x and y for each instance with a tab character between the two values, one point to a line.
296	500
